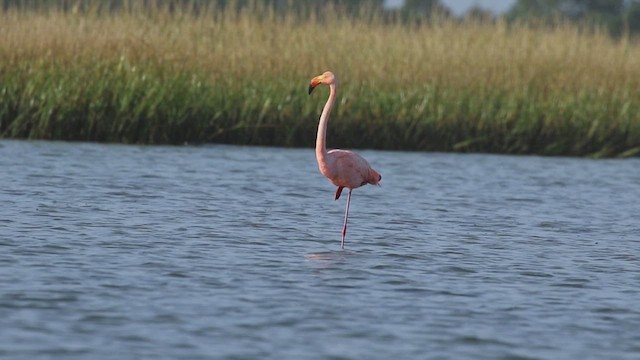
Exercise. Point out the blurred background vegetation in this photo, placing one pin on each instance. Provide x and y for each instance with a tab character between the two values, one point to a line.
547	77
618	16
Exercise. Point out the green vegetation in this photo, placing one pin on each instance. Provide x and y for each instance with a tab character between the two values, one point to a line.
165	75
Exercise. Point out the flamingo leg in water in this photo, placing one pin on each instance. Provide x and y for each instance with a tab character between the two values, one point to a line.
346	216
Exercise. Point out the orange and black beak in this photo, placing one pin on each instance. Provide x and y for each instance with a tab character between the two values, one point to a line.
314	82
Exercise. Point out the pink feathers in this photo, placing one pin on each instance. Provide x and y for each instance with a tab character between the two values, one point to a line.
344	168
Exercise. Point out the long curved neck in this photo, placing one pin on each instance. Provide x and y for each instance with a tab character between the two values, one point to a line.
321	139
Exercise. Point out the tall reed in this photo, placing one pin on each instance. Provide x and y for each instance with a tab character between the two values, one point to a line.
154	75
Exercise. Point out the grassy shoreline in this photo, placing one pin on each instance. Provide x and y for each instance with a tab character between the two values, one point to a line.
158	77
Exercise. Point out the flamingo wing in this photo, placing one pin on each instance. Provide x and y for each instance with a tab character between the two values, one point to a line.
350	169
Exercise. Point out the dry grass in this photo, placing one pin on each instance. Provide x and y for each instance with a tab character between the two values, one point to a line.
149	75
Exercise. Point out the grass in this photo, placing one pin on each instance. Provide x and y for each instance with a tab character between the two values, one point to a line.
155	76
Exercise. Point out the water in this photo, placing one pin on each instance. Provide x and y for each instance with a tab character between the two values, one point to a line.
128	252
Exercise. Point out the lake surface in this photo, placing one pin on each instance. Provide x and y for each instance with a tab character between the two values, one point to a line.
134	252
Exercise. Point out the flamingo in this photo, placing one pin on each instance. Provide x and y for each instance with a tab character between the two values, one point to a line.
345	169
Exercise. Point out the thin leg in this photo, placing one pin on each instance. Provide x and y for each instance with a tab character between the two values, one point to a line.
346	216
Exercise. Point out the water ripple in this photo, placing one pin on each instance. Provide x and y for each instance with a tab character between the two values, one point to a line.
114	252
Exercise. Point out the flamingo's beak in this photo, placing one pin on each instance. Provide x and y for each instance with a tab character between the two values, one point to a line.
314	82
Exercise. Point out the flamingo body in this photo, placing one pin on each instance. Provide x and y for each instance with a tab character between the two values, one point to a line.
344	168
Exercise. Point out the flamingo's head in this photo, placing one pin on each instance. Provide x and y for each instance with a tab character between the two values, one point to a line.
326	79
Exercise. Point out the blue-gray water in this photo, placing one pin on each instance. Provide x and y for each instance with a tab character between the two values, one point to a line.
129	252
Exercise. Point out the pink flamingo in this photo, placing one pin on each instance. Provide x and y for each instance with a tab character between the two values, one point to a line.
344	168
